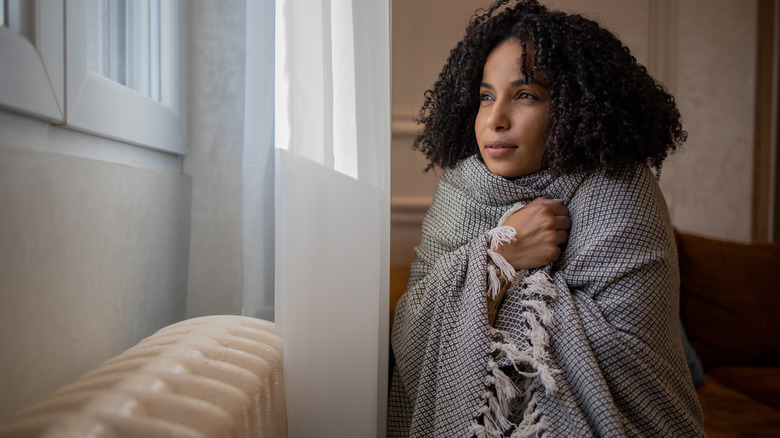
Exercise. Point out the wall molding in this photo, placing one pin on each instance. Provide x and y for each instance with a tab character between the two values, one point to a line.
765	226
662	42
408	210
403	121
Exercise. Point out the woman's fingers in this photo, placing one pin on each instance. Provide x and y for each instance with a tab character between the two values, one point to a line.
562	223
542	227
561	236
553	206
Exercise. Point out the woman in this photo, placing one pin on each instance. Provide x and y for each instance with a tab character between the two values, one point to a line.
543	299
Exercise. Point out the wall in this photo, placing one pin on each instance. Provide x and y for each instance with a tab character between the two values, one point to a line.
708	185
92	257
710	181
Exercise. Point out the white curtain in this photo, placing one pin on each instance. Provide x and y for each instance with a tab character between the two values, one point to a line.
258	162
332	127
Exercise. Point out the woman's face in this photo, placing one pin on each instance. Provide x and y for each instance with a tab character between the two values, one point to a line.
510	125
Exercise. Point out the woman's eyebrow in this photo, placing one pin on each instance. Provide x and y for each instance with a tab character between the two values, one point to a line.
519	82
516	83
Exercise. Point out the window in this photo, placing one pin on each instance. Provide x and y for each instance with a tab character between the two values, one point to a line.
32	71
133	91
123	43
17	15
118	75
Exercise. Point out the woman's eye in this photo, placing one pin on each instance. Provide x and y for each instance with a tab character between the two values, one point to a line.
525	95
485	96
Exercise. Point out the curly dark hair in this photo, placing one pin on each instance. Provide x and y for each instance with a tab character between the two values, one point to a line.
605	109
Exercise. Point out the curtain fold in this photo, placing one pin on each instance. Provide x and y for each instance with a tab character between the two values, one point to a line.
258	162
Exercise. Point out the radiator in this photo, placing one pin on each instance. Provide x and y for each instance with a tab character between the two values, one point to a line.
214	376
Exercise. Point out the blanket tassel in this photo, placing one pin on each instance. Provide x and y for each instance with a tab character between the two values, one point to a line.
531	362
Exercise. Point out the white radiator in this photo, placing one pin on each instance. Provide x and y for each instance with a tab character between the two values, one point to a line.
214	376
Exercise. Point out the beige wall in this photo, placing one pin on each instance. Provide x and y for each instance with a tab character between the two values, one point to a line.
710	183
93	257
699	49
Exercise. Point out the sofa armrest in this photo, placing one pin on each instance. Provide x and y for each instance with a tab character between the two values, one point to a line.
730	300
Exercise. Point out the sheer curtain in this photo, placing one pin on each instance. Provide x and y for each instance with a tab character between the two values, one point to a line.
332	128
258	162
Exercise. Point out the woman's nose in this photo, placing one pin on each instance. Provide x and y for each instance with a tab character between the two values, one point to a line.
498	119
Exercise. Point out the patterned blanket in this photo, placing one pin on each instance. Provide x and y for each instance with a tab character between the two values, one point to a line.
588	346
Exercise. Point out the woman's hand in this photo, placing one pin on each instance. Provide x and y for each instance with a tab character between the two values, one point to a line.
541	227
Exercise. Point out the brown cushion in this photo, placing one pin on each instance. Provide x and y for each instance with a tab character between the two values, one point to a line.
760	383
399	276
728	413
730	300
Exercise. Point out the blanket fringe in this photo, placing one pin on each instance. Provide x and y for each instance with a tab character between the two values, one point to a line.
494	284
531	362
499	236
507	270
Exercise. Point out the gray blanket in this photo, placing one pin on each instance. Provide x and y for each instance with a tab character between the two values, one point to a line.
589	346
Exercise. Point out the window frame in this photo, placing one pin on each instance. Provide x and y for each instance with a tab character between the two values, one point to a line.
32	74
46	77
100	106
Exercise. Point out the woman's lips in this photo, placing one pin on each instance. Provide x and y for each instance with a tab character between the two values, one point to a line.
496	149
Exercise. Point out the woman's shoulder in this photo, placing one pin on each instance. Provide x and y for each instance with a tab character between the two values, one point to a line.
629	195
628	185
618	216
